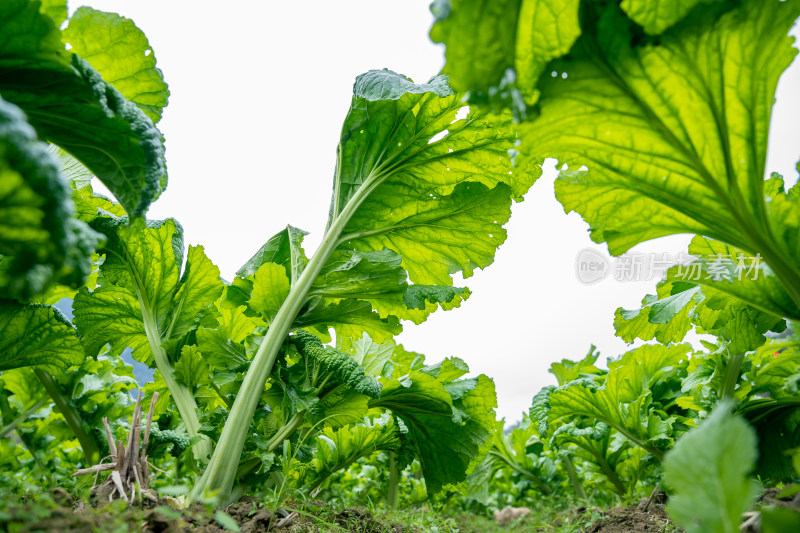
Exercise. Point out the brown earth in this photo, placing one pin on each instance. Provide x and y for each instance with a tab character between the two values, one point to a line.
160	518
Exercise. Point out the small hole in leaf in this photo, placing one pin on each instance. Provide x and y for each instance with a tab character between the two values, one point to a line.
438	136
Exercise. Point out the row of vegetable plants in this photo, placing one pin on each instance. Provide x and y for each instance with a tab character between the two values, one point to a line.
288	372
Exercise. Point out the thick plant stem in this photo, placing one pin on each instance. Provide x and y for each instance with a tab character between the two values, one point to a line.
573	477
219	475
184	399
71	415
393	493
731	375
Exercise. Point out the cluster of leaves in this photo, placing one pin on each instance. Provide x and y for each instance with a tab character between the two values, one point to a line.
659	118
422	189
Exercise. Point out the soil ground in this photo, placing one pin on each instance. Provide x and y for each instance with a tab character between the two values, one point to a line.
162	518
62	515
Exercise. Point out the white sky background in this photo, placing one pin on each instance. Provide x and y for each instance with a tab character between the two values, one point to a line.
259	93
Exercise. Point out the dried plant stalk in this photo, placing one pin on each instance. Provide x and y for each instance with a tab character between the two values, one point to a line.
128	461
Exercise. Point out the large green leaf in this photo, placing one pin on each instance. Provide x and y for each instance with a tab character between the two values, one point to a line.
141	280
119	51
667	152
448	423
440	187
415	179
38	336
710	464
672	131
70	105
40	240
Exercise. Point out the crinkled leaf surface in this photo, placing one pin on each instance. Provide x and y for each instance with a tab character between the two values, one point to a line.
711	464
40	240
333	366
70	105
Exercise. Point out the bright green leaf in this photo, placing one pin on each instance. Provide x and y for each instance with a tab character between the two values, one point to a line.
655	16
191	370
38	336
119	51
710	464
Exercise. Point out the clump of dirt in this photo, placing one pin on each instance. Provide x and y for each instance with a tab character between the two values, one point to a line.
646	518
